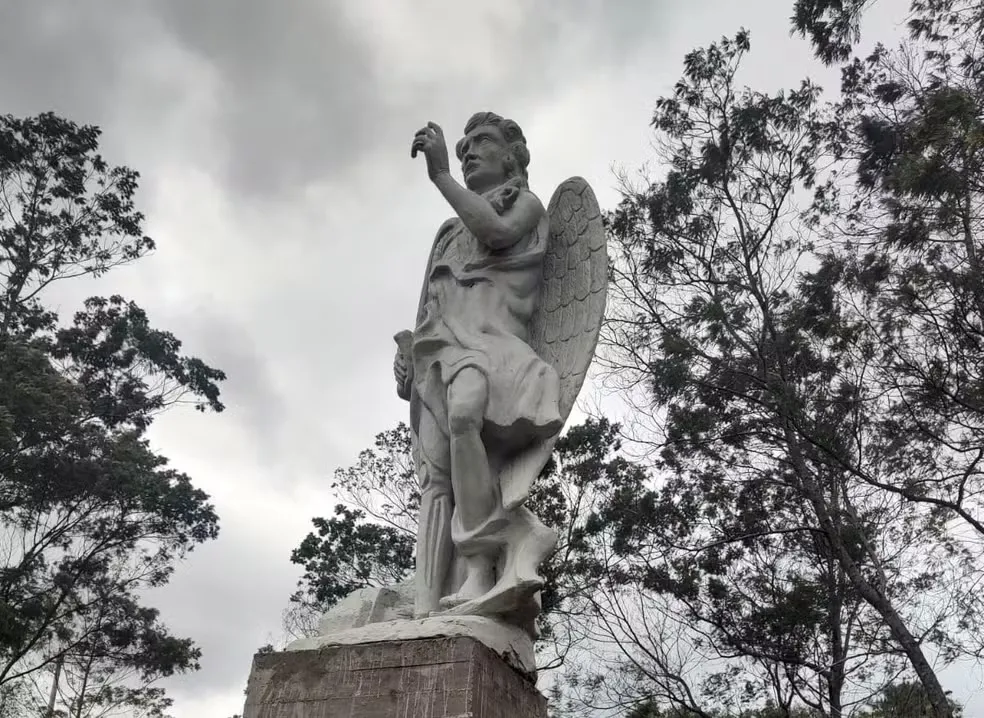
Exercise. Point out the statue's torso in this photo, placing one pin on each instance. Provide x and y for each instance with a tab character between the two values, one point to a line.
482	289
476	311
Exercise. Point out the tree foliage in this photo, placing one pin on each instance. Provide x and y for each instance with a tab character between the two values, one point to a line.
90	514
782	527
833	27
914	119
904	700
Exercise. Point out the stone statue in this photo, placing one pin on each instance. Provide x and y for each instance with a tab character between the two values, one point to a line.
507	323
508	319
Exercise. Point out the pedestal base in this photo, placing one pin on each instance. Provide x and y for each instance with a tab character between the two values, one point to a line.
424	678
512	644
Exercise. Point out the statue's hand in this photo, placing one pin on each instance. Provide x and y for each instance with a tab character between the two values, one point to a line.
400	369
430	141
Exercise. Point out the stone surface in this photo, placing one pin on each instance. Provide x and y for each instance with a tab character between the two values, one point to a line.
427	678
506	327
368	605
509	642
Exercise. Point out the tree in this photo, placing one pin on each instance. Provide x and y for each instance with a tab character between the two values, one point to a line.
559	703
896	700
759	374
910	134
833	27
904	700
648	709
371	538
913	119
90	515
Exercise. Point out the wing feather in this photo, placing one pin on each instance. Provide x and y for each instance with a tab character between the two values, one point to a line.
573	298
599	272
582	278
564	330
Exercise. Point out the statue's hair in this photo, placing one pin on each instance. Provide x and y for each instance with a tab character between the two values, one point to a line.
519	154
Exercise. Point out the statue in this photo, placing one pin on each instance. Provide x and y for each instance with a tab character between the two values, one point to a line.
507	322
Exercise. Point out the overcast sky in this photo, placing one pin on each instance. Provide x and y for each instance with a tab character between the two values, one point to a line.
292	226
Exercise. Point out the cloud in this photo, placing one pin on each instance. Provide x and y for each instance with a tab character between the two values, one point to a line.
292	225
296	91
230	593
68	56
307	88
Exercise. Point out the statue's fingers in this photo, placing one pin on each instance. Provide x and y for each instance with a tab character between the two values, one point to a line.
436	128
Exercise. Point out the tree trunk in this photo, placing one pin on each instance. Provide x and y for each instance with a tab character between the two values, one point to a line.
909	644
838	651
874	597
54	689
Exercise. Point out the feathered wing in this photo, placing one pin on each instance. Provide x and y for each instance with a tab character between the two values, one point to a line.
564	329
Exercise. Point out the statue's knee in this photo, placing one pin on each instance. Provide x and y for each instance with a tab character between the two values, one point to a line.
464	423
467	398
464	418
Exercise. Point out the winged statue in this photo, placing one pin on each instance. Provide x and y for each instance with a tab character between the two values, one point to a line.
507	323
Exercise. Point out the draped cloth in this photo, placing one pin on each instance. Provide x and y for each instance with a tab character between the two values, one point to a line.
475	313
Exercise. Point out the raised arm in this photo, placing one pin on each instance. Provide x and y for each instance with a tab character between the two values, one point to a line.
495	230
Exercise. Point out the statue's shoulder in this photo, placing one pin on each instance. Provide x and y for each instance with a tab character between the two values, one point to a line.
449	224
530	200
535	201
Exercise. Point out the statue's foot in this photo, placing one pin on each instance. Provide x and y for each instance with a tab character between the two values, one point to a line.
502	600
478	582
469	591
455	599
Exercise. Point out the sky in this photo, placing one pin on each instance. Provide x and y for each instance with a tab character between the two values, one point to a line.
292	225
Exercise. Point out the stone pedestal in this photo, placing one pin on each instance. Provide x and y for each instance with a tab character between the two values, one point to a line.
455	677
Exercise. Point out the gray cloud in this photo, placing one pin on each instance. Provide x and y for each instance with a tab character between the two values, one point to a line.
273	139
302	91
296	86
305	93
63	56
214	596
250	392
292	226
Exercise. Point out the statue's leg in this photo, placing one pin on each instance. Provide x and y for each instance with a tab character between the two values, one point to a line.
434	546
476	492
515	596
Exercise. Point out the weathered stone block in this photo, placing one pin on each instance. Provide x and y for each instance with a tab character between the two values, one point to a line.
425	678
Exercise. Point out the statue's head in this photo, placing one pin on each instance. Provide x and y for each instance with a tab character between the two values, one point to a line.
492	152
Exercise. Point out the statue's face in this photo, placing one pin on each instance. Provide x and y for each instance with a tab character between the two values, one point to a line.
484	154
